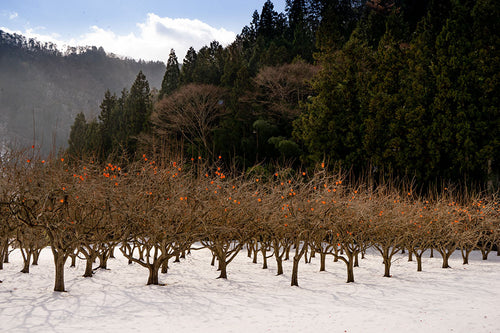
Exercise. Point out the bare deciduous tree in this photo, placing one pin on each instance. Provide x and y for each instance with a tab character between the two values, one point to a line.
280	89
191	114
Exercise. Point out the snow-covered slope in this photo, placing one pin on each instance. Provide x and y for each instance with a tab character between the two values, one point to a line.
459	299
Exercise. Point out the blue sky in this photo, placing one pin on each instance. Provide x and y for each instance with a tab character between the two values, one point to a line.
145	29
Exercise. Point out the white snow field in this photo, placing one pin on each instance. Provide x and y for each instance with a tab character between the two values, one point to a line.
464	298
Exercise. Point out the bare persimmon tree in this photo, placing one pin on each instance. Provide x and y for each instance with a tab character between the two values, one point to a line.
223	217
155	215
387	212
43	195
349	229
419	227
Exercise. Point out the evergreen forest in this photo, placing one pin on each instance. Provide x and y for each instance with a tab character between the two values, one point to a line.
383	89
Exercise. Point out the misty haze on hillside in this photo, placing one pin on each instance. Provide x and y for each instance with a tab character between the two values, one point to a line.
43	89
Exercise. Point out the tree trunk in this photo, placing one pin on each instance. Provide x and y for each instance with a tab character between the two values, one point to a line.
36	255
177	257
264	257
73	260
164	267
279	264
410	255
287	253
432	253
295	271
322	267
59	261
387	267
213	260
153	275
350	270
465	256
419	261
6	252
356	261
26	267
445	260
112	252
2	251
103	260
88	267
255	253
223	269
485	254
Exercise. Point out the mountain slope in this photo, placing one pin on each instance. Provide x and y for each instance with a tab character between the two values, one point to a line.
43	88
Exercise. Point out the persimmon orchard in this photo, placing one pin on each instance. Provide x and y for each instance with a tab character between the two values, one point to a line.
154	210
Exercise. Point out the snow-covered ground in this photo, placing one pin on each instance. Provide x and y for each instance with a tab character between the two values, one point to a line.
459	299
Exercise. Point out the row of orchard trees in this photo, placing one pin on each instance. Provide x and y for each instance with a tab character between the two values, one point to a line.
156	210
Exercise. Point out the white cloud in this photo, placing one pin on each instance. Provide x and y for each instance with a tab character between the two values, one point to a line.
13	15
156	36
35	34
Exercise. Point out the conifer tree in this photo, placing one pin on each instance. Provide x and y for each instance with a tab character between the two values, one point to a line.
267	23
331	125
454	106
209	66
78	137
486	41
383	133
418	88
188	66
171	79
107	124
138	108
299	29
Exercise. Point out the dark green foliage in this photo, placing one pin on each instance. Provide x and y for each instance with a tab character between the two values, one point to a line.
332	122
188	66
84	138
428	111
108	123
407	89
138	108
78	137
209	64
383	139
336	19
121	121
171	80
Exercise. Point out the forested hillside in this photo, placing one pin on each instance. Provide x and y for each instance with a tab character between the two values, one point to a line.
398	89
384	88
42	86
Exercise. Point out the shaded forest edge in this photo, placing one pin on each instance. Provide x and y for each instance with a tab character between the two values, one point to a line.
382	89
